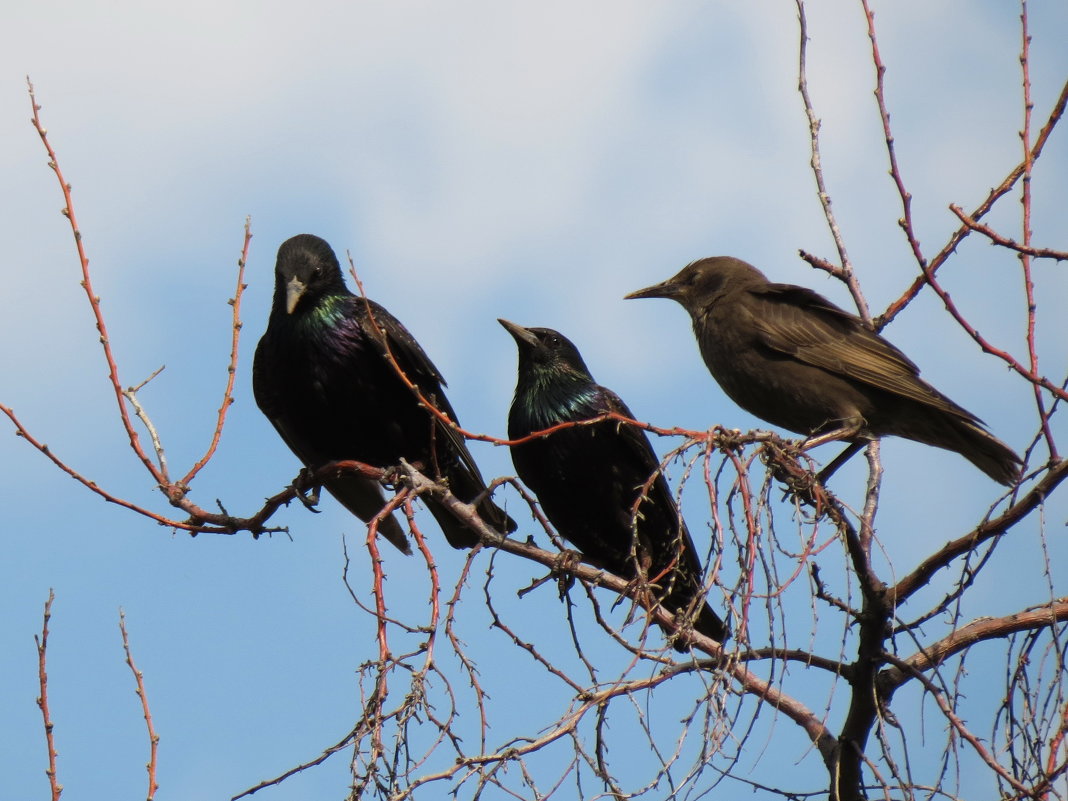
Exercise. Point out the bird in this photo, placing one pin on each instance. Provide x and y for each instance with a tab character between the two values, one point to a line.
590	479
792	358
323	376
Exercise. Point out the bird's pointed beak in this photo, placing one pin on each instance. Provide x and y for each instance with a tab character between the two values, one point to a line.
294	289
665	289
521	335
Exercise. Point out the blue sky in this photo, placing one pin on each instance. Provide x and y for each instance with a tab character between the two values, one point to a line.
478	160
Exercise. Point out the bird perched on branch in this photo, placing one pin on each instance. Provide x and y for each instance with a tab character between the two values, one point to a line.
794	359
601	484
326	375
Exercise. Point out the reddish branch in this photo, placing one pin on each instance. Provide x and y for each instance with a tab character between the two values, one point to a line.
200	520
87	285
42	700
153	738
930	268
231	370
749	682
895	170
869	673
1025	259
1055	746
1004	241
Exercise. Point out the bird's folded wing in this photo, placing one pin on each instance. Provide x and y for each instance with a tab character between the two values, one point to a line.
802	324
393	339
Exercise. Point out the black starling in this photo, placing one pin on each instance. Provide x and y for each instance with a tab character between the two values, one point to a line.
322	376
794	359
589	479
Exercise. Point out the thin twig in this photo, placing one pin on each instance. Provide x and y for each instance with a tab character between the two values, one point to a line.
231	369
844	272
153	738
981	211
42	700
87	285
1004	241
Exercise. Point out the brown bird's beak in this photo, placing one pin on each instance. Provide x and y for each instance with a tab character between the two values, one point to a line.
519	333
665	289
294	290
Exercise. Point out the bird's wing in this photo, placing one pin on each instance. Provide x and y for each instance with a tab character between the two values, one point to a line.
639	453
634	437
393	339
404	347
800	323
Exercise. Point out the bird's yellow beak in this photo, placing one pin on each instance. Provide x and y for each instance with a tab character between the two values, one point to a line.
294	289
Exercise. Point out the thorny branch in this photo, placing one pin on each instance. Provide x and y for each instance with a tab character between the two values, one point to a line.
153	738
410	703
42	700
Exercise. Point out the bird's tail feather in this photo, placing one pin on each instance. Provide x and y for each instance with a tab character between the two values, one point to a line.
975	444
364	499
989	454
710	624
467	487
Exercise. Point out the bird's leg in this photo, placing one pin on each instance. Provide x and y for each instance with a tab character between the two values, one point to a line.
560	570
307	489
839	460
562	565
644	587
393	477
843	432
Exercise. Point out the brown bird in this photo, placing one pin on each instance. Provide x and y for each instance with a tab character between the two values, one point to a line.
794	359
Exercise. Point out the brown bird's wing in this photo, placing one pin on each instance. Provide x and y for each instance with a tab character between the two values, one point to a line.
800	323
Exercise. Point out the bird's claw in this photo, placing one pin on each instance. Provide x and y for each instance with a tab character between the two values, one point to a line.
565	562
307	490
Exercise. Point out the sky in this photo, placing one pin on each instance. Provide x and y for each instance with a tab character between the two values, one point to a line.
477	160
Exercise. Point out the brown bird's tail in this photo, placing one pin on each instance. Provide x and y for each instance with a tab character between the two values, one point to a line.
971	441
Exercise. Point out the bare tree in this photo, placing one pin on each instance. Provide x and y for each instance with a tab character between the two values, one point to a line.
890	683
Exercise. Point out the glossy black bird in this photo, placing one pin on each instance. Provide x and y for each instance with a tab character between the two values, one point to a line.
323	378
794	359
589	478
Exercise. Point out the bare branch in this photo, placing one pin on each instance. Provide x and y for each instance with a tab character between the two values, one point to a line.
42	700
153	738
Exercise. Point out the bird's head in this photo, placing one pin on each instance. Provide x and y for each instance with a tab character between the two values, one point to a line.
702	282
305	271
545	351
